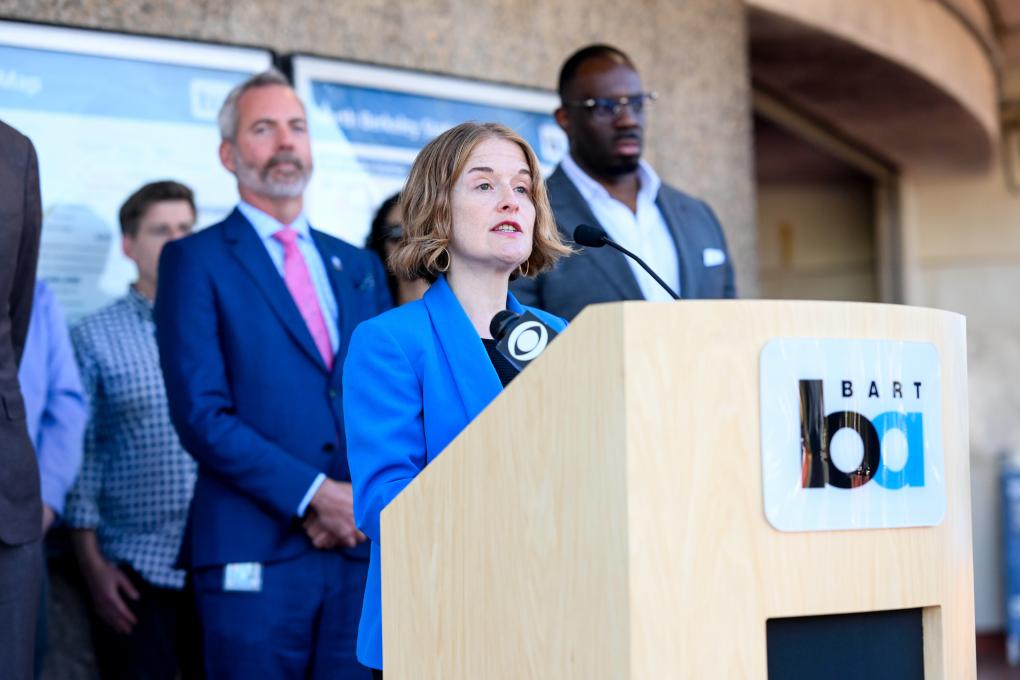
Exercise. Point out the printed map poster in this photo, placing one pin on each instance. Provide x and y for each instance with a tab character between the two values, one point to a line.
369	122
107	113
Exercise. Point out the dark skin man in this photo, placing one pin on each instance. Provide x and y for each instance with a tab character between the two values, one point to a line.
606	145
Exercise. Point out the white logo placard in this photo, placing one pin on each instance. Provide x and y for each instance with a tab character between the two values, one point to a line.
851	434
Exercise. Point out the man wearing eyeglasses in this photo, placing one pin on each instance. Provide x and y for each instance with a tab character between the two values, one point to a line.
603	181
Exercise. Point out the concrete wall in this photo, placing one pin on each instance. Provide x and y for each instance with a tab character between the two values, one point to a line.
693	53
816	241
924	36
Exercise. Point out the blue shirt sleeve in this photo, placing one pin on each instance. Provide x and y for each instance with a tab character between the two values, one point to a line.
59	411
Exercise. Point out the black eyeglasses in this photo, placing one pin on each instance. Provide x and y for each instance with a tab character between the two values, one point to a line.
609	108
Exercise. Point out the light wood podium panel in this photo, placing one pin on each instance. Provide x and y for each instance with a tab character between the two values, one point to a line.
604	518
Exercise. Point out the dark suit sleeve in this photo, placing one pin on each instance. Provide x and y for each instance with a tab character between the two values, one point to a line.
383	298
528	291
554	322
200	394
729	287
28	255
384	422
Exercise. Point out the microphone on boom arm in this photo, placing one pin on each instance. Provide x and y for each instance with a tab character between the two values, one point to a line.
594	237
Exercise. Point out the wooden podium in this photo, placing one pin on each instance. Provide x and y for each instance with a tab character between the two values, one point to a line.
603	518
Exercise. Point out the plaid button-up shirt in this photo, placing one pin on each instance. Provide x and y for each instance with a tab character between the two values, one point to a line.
136	480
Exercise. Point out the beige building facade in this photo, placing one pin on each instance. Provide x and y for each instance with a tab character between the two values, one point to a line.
692	53
853	149
699	135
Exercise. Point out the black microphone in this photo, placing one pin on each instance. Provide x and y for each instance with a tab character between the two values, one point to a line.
594	237
500	324
520	337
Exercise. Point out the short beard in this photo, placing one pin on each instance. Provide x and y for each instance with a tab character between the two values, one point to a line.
261	181
607	166
624	167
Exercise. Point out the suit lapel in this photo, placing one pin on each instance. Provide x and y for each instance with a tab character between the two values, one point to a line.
571	210
476	379
686	254
251	254
343	291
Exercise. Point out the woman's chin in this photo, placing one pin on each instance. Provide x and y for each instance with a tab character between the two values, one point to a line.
515	258
510	266
504	263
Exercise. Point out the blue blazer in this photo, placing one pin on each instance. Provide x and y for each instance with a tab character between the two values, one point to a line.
249	393
414	378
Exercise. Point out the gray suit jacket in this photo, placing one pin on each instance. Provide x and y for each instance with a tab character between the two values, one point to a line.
603	275
20	226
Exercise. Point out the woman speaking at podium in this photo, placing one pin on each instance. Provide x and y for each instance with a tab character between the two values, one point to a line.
475	215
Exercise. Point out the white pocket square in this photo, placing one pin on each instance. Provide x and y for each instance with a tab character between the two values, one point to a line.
713	257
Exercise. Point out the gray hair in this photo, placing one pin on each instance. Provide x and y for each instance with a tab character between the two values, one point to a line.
228	117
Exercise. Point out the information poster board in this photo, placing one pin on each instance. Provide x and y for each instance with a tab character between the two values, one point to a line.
369	122
107	113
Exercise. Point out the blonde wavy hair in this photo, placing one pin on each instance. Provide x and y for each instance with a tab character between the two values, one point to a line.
425	204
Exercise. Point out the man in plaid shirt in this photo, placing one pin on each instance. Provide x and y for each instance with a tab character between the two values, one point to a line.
129	505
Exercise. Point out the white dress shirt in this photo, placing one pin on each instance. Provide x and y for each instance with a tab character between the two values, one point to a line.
644	233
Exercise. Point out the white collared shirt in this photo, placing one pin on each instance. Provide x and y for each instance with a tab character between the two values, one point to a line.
644	233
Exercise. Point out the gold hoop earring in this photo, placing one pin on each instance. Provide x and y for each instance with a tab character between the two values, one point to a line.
446	266
527	268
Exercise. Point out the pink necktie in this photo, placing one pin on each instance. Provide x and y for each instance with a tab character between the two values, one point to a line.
299	283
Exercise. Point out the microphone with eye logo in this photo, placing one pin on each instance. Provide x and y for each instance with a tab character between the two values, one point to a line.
520	337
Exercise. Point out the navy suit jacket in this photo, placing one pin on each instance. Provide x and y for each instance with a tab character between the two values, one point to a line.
603	275
249	393
415	377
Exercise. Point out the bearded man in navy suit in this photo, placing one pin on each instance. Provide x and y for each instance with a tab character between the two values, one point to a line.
253	318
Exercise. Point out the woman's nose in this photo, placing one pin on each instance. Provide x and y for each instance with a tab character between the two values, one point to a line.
509	199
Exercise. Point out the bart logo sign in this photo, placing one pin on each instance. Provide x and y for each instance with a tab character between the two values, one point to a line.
851	434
